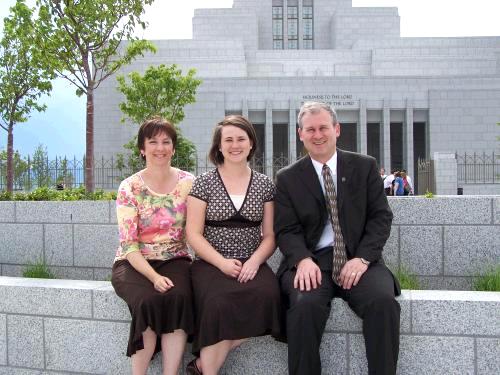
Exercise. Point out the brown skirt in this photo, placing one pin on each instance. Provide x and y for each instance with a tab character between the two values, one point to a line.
162	312
228	310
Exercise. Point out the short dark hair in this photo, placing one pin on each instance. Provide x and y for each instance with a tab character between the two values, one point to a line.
154	126
316	107
214	155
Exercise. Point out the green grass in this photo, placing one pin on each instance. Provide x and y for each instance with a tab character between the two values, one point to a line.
406	279
38	270
489	281
429	194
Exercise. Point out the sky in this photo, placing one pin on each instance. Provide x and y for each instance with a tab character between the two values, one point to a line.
61	128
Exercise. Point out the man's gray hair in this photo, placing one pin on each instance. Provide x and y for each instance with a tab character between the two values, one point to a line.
315	107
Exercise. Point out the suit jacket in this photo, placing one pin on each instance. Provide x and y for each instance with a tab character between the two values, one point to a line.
301	214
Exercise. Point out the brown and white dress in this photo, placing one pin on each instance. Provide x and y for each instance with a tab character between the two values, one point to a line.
226	309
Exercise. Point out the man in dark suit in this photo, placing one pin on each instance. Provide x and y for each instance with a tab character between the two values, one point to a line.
314	225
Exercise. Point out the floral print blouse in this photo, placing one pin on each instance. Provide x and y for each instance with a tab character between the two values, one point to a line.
152	223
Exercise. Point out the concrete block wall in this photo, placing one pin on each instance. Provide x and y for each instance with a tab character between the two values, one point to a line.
350	25
438	62
263	10
465	118
324	11
419	42
445	241
309	63
67	326
76	239
226	24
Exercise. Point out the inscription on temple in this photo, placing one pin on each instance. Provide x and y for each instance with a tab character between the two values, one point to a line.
335	100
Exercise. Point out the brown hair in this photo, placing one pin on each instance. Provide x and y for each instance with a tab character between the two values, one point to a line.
214	155
154	126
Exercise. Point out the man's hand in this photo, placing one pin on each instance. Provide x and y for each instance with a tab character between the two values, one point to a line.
351	273
308	275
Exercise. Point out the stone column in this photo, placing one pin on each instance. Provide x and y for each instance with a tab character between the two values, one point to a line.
445	173
268	150
292	132
361	129
385	138
408	138
244	108
300	34
285	24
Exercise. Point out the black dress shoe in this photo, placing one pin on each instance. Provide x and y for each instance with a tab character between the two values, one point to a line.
192	369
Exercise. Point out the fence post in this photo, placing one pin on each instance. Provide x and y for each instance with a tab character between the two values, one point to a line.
445	168
29	174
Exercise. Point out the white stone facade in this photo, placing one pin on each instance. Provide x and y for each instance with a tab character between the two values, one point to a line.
427	94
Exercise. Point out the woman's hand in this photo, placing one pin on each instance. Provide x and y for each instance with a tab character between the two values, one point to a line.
249	270
162	284
231	267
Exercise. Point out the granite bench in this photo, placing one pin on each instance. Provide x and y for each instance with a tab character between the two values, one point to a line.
68	326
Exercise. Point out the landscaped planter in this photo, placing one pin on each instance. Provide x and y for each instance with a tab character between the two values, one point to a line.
445	240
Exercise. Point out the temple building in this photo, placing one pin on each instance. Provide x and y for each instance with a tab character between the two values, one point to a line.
398	99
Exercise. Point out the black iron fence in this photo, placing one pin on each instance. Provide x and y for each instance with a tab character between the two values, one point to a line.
474	168
61	173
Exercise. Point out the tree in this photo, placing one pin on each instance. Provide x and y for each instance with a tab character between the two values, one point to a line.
85	42
24	76
19	167
40	167
162	91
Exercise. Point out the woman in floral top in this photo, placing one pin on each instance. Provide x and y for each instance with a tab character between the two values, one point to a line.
151	268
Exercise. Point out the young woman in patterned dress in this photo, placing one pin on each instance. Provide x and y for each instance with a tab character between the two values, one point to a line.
151	268
230	228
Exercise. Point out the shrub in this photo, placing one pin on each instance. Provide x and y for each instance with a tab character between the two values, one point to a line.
48	194
406	279
38	270
489	281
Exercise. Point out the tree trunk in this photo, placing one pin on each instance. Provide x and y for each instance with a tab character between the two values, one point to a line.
10	158
89	150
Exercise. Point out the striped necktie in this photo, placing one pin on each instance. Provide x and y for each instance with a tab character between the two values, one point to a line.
339	253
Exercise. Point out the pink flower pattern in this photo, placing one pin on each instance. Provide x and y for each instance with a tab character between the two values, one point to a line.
152	223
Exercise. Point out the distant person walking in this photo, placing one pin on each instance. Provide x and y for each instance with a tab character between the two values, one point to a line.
398	186
388	183
382	174
407	183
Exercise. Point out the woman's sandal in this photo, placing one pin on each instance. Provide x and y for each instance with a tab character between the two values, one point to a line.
192	369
